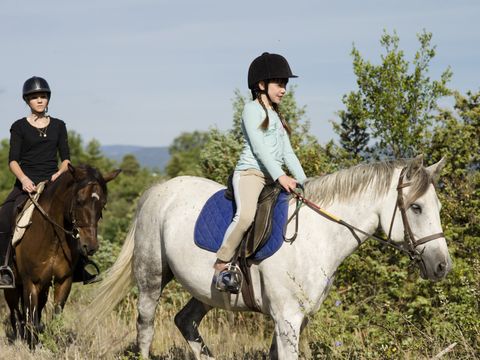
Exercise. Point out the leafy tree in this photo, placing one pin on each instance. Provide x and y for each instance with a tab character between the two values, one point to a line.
7	179
130	165
219	155
353	129
77	152
395	104
457	138
185	154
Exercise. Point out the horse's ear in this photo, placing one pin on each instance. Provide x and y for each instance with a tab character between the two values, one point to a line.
435	169
414	166
112	175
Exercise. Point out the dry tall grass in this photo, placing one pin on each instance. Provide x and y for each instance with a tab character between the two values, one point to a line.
229	335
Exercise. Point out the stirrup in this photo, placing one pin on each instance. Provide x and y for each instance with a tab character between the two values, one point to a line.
92	278
5	269
229	279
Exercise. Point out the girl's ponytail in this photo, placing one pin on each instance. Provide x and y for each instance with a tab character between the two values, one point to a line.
265	122
287	128
256	94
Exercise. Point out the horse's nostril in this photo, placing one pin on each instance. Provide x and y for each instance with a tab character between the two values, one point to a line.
441	268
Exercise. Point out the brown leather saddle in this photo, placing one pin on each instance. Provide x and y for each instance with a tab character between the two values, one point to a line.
261	229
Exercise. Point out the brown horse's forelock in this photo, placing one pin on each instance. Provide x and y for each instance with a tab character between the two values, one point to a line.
93	175
344	185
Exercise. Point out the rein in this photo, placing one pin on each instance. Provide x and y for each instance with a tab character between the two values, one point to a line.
75	224
73	232
410	242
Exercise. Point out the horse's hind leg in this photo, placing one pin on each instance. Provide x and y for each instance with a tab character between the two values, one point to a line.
150	285
12	296
187	321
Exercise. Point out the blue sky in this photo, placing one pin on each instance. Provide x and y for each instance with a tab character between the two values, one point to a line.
141	72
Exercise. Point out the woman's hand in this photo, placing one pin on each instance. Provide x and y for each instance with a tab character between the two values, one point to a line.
55	176
62	168
28	185
287	183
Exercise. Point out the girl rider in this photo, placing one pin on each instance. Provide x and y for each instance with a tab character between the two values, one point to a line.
35	141
266	148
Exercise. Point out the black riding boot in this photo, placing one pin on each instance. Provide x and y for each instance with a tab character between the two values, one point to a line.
8	210
86	271
6	273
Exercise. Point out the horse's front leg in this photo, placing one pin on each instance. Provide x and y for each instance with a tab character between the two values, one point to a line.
273	347
288	327
60	294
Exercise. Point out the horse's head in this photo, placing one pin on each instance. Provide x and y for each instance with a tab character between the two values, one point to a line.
89	199
416	221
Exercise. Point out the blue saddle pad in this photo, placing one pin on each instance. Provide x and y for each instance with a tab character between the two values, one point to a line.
217	214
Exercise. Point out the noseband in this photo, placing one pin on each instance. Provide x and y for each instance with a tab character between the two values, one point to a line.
411	244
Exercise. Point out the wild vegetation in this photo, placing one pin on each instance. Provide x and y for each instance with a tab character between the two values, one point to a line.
378	307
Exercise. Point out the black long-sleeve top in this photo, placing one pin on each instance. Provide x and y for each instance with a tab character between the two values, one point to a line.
37	154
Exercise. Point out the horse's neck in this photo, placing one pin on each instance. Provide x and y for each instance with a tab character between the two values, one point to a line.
60	195
336	241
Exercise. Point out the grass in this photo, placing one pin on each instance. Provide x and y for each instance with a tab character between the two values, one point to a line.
331	334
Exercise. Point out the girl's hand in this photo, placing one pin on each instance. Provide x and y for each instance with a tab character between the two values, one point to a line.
28	185
287	183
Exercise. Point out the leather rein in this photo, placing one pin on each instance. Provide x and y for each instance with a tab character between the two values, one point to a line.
410	243
75	233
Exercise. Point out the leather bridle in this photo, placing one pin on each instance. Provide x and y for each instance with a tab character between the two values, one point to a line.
76	225
410	243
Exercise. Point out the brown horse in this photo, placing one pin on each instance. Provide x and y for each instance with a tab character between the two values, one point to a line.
63	226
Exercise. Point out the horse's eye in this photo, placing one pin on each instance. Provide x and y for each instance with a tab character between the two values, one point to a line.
417	209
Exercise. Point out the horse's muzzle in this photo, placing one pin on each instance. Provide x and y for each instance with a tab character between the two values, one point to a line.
88	242
436	270
88	250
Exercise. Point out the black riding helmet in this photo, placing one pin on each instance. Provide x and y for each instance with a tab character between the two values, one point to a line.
268	66
35	85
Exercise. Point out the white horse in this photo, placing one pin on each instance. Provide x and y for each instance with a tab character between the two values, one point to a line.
291	284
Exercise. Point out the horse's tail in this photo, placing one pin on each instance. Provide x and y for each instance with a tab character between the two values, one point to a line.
116	284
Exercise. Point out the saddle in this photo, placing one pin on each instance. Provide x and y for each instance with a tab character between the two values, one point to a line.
255	237
261	229
263	239
23	218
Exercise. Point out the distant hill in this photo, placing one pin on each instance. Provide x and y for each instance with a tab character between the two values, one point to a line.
151	157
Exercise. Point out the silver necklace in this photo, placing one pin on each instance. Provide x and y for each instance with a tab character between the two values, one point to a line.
42	132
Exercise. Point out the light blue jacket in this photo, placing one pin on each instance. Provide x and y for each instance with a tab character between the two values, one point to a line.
267	150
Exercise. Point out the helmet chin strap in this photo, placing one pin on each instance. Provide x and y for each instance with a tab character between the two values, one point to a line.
40	114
